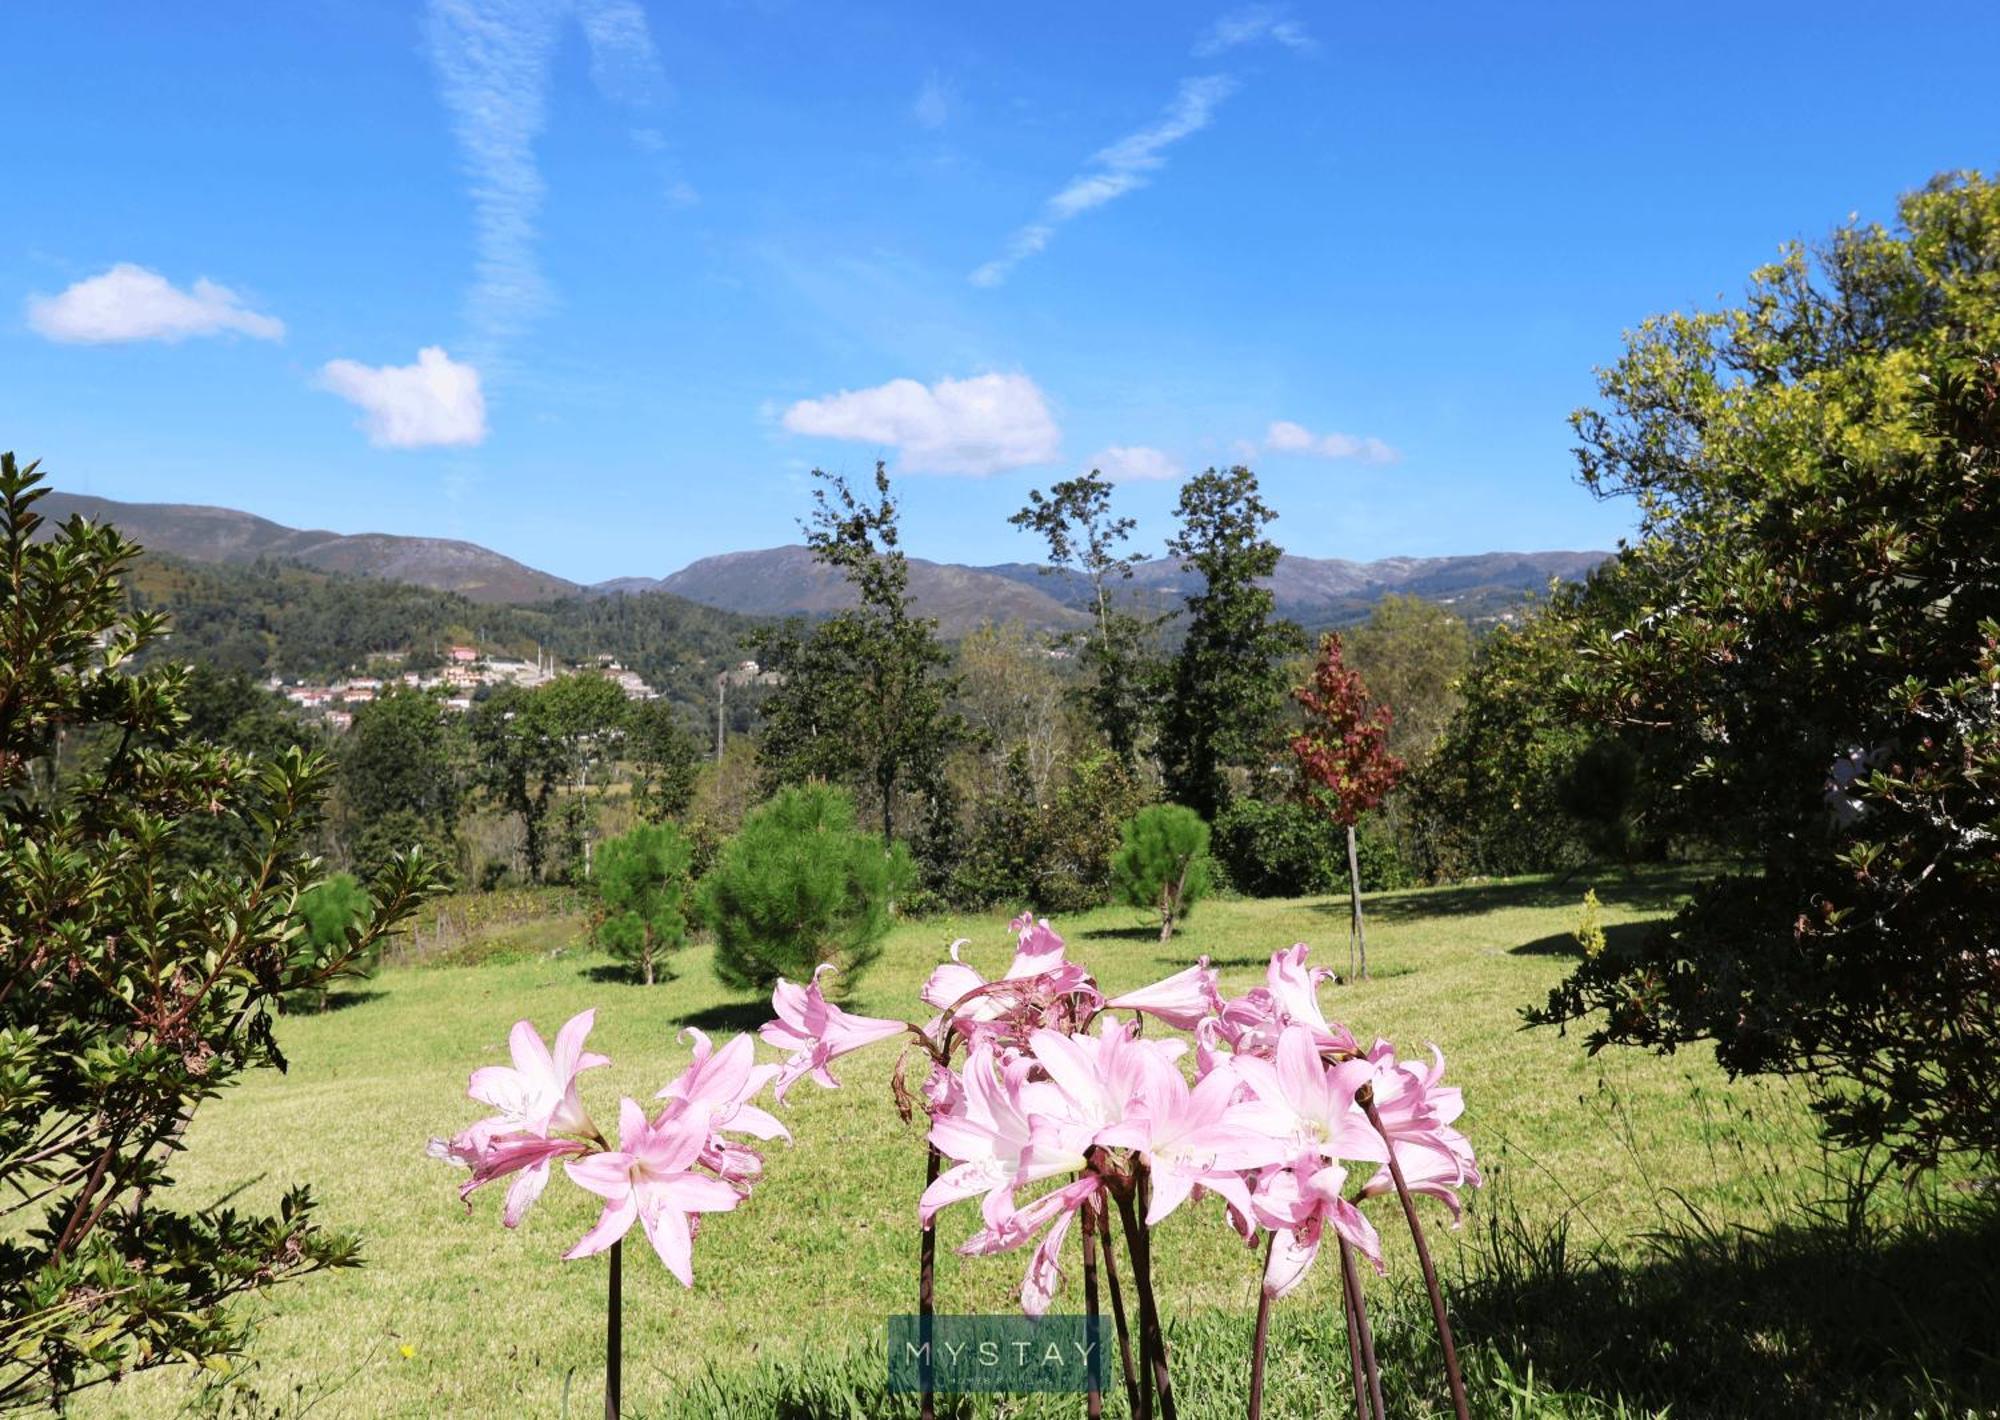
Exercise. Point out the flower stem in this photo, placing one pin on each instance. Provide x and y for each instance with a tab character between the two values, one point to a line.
1152	1340
1093	1400
1262	1336
1117	1307
1350	1277
1354	1370
927	1290
614	1334
1452	1374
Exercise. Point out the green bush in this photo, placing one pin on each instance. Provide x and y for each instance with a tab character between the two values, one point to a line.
801	884
328	911
643	887
1279	848
1163	862
1282	848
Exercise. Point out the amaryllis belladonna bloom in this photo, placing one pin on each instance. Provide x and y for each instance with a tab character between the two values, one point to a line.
717	1087
817	1032
541	1115
1183	1000
651	1179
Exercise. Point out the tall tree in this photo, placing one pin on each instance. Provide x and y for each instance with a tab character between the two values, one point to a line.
133	987
400	766
865	697
1074	518
521	763
1225	690
1344	761
1816	664
1414	654
665	759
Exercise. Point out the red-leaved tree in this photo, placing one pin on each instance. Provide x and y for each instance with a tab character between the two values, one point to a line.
1344	760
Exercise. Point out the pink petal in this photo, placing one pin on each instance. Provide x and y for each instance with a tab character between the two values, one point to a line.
612	1224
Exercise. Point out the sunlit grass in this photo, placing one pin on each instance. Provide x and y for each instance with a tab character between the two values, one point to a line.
455	1315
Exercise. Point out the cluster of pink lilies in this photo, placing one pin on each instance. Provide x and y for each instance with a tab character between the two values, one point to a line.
1051	1105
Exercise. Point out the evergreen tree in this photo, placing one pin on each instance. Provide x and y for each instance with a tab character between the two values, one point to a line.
1075	519
1225	691
642	883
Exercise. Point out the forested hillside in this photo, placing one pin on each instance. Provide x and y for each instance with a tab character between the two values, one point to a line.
269	618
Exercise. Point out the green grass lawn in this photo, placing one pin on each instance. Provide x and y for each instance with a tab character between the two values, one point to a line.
455	1315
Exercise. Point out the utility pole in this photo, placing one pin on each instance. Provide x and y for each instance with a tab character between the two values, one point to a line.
721	719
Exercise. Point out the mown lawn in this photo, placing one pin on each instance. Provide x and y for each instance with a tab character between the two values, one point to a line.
454	1315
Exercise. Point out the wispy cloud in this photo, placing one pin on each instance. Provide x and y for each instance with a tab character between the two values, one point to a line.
435	402
129	302
1251	25
985	424
1285	437
1114	171
1134	463
493	60
934	102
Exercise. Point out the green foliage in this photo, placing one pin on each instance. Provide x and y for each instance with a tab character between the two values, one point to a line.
1162	862
1053	855
643	887
1225	691
1285	848
801	885
864	700
400	769
1413	653
276	619
330	912
527	744
666	760
1074	518
1279	848
1815	666
133	985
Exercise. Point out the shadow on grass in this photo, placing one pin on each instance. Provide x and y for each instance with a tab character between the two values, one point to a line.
1621	938
1652	890
342	1000
1122	934
731	1015
1806	1320
618	973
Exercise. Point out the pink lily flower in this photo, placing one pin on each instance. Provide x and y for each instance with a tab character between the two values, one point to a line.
1417	1112
540	1115
817	1032
718	1086
1309	1105
1182	1000
1044	1276
1200	1138
538	1094
1011	1132
1101	1076
1290	996
650	1178
1297	1203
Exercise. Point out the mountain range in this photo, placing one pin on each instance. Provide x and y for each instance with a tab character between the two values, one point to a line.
786	581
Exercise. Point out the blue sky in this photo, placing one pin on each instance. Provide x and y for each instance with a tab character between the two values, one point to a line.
596	282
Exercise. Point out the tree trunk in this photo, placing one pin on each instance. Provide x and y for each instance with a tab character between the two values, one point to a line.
1358	938
646	963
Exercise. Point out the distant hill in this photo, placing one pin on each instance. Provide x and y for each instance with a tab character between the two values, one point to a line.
786	581
203	534
1314	591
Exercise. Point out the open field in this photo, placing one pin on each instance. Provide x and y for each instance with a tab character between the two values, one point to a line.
454	1315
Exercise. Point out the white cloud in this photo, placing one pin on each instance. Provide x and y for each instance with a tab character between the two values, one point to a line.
977	426
1251	24
934	102
494	59
433	402
1134	463
131	303
1285	437
1114	171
